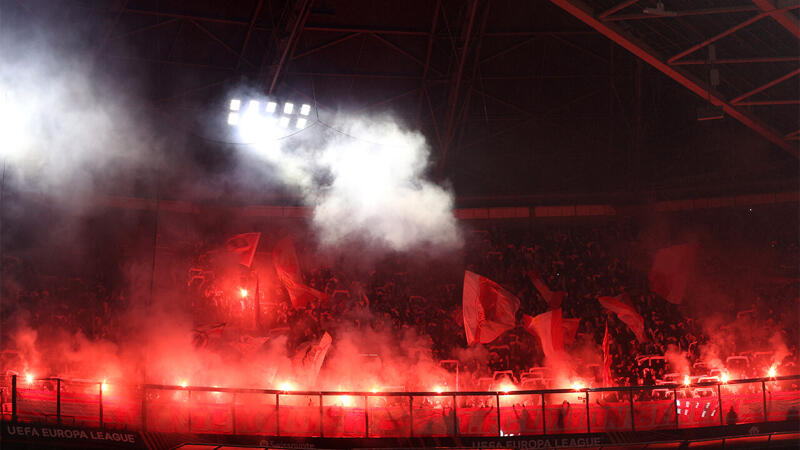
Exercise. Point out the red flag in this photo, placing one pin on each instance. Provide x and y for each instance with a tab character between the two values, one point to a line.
672	268
550	329
244	245
621	305
552	298
309	357
488	309
606	358
570	327
284	258
300	294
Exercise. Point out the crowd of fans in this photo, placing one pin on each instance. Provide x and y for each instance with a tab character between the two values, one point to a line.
397	296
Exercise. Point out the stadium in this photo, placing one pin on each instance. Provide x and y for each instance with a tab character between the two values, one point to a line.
346	224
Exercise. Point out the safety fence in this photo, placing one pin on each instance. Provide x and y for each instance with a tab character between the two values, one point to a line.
398	414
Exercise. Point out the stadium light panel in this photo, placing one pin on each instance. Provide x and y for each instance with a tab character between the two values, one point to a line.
305	110
253	107
236	104
284	122
301	123
288	108
271	107
233	118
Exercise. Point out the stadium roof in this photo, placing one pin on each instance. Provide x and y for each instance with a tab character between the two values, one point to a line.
519	99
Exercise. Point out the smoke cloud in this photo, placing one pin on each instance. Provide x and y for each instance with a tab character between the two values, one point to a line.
64	126
365	179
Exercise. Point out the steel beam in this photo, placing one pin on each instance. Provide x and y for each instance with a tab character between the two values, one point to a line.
770	103
222	43
452	103
504	102
780	15
139	30
617	7
250	27
145	12
193	90
711	40
387	100
459	132
508	49
765	86
366	75
581	12
538	116
700	62
331	43
352	29
285	46
684	13
109	28
428	52
397	48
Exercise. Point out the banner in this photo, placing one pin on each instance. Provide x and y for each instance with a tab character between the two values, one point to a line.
550	329
309	357
570	327
284	258
244	246
606	359
622	307
488	309
671	271
552	298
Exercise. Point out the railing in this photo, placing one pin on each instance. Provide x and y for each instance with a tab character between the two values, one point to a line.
398	414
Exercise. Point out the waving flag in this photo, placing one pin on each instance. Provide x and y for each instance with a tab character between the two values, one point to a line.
621	305
309	357
550	329
553	298
488	309
284	258
244	246
570	327
606	359
671	271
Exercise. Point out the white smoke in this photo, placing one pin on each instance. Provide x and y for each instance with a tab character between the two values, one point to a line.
60	125
365	179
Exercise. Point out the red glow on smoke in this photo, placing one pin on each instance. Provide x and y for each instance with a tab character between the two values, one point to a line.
345	401
506	386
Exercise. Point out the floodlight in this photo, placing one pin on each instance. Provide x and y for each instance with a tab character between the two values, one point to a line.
301	123
305	110
271	106
253	106
284	122
233	118
288	108
236	104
